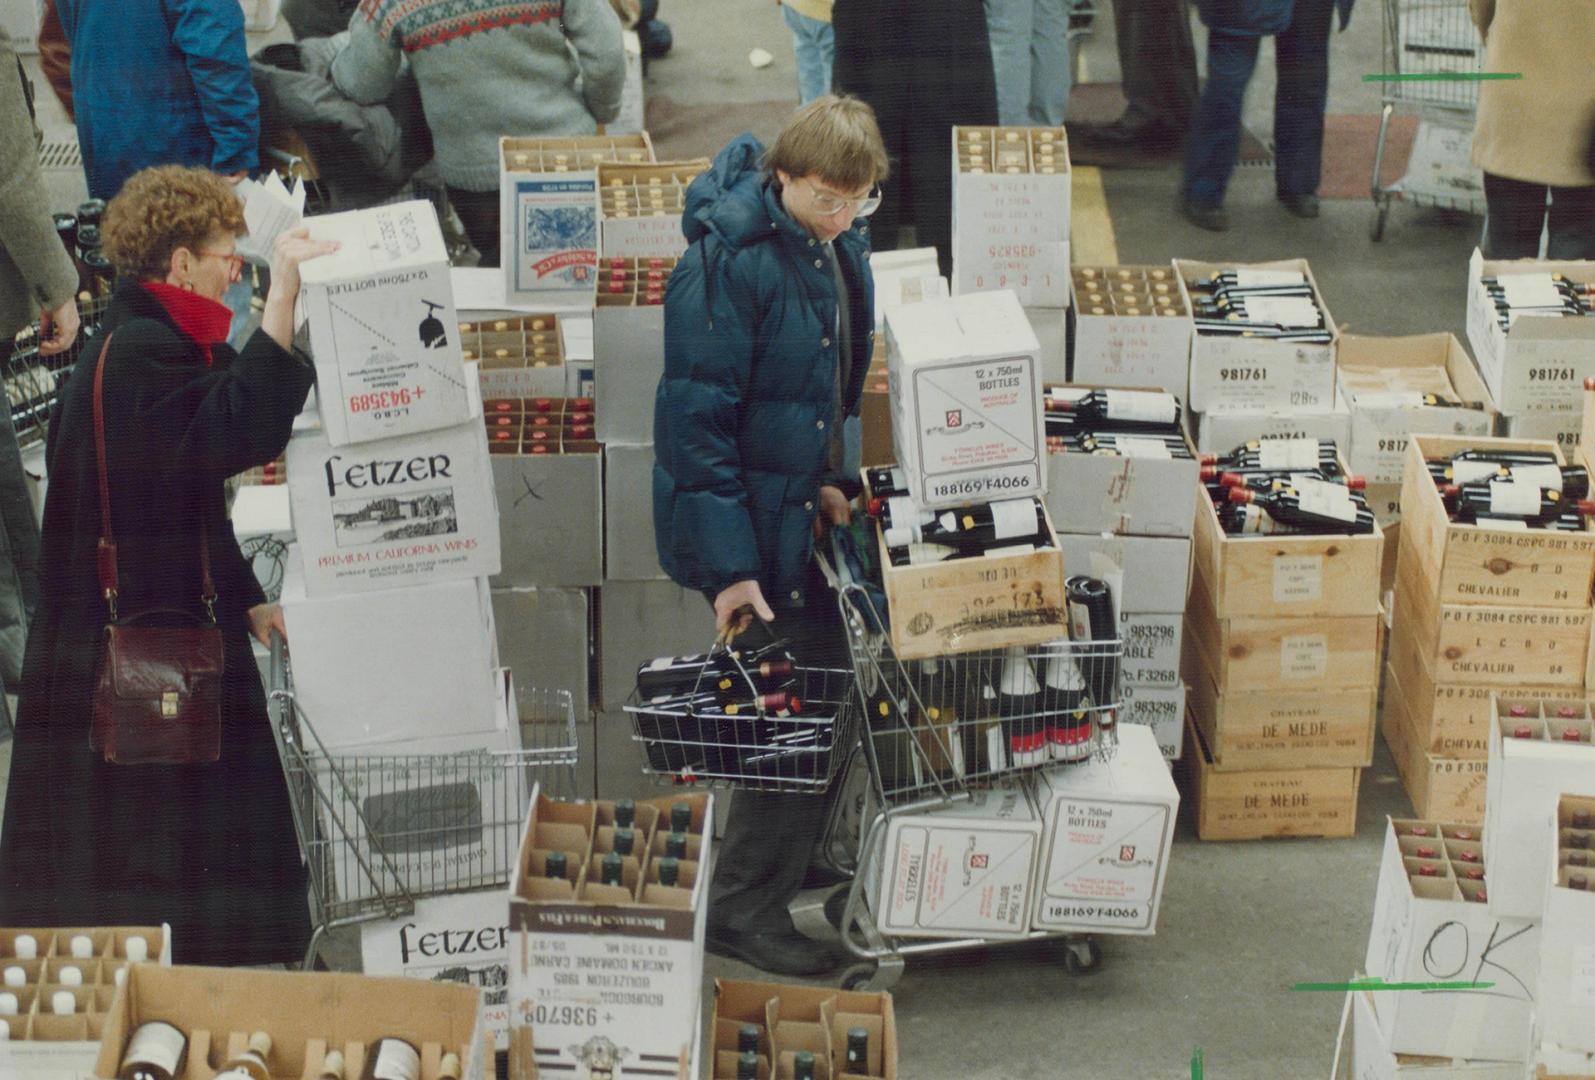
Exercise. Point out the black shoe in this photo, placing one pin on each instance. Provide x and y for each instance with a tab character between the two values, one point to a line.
1303	206
1213	218
1127	133
782	952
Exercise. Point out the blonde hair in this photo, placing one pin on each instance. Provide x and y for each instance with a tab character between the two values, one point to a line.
162	209
835	138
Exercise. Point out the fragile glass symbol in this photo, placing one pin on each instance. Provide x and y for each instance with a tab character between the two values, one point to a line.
433	336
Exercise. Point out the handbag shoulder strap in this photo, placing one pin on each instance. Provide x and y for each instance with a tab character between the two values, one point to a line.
110	580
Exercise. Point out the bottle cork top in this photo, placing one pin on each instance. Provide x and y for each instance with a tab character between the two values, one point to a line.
82	946
260	1043
332	1065
8	1005
449	1067
63	1003
136	949
26	946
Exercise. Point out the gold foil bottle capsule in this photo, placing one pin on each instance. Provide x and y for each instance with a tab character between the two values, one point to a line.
974	136
539	324
501	354
1161	287
1122	273
1088	272
654	181
468	354
1010	136
1132	311
1159	275
465	328
1099	311
1168	311
501	324
615	181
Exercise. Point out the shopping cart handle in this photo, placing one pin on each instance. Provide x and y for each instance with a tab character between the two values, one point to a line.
279	648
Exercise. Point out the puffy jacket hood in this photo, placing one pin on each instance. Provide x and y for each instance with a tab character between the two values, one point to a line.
728	199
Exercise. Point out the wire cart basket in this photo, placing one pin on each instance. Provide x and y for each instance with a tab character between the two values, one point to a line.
33	380
894	737
379	832
1432	55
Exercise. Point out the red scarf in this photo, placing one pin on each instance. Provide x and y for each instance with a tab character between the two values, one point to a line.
202	319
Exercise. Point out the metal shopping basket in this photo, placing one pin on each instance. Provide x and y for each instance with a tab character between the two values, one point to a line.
379	832
1432	55
33	381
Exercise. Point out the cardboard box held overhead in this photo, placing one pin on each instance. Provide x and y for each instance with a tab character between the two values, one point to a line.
383	327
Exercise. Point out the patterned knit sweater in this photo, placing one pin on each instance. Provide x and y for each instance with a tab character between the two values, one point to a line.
488	68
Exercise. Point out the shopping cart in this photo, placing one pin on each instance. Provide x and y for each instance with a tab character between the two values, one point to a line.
33	381
1432	52
379	832
885	734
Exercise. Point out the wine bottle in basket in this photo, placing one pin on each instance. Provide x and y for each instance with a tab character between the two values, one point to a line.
1019	706
771	667
1065	701
1092	619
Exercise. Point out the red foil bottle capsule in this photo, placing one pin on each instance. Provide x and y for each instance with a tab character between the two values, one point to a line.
1571	735
1428	871
1425	852
1475	873
1522	731
1470	856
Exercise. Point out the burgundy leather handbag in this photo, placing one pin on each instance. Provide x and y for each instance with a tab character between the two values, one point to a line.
158	696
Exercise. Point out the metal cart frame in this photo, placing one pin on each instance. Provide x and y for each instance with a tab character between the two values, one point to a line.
1434	39
355	869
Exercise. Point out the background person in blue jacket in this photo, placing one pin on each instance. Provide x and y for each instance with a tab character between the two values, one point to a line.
160	82
769	325
1301	59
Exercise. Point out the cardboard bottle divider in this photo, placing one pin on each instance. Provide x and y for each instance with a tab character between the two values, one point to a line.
793	1018
1568	914
641	206
305	1013
45	1044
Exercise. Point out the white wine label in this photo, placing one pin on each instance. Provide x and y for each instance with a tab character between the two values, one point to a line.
1254	279
1514	498
1010	549
1467	470
1256	520
1529	290
1013	518
397	1061
1298	579
1142	406
1142	448
1328	501
1391	399
1288	312
1303	656
1545	476
1283	455
1304	482
156	1044
1514	524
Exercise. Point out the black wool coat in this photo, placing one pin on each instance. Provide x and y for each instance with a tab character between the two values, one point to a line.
209	849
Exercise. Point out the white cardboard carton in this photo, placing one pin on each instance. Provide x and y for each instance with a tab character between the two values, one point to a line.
966	868
548	231
1524	779
1567	956
584	972
1221	430
1374	372
1372	1058
404	511
1102	493
551	519
462	939
629	550
966	397
1259	373
628	361
544	637
445	810
263	523
1133	351
1542	362
1012	231
1144	573
1151	644
1564	427
1109	830
383	326
393	664
1427	932
905	277
1160	708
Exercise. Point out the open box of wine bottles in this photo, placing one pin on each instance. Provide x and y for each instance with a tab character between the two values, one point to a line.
765	1030
641	206
190	1023
1530	325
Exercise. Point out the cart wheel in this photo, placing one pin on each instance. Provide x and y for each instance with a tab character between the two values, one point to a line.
1376	231
872	978
1083	957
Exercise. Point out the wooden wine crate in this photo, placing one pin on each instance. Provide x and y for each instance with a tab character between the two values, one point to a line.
1476	564
1488	644
1279	728
1444	788
1291	654
970	604
1268	803
1286	576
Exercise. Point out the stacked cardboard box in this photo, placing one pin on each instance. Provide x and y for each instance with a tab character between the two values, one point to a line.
1281	654
1477	609
1373	1057
601	972
793	1019
1377	378
1130	326
901	278
1562	1044
88	964
1536	367
1011	198
1127	521
548	212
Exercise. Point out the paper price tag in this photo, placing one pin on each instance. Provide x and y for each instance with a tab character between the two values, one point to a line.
1303	656
1298	579
1255	279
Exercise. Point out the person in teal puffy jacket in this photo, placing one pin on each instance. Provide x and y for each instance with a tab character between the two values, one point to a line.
769	327
160	82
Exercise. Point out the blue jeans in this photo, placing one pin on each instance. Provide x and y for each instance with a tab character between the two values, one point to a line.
814	44
1302	62
1030	52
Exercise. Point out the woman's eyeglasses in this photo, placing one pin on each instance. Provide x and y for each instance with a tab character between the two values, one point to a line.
829	205
235	262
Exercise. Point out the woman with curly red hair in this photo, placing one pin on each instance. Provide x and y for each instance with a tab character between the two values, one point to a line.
209	848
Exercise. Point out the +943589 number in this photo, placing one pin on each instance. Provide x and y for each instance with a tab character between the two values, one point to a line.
380	400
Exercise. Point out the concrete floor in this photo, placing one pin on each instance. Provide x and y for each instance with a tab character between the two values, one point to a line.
1241	922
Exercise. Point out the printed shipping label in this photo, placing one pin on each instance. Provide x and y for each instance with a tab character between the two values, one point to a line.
1142	407
1331	501
1103	865
979	434
1142	448
1303	656
557	235
1282	455
1256	279
1298	579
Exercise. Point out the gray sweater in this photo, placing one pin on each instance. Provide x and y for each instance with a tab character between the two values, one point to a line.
488	68
36	273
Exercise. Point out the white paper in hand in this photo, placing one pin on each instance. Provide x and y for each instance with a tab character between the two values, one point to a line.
270	209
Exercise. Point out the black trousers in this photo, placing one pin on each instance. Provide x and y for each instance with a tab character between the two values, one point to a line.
478	212
770	836
1157	60
1517	214
923	67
